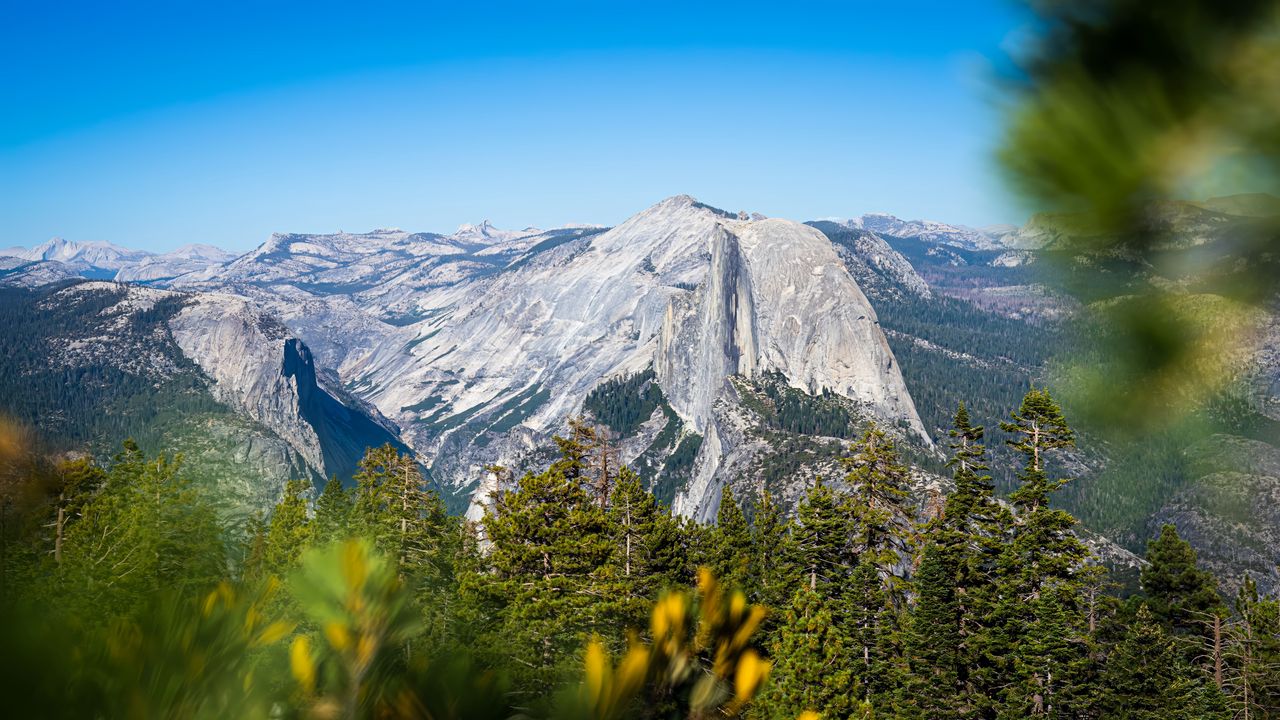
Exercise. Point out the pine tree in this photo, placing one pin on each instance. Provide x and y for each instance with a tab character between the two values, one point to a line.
882	533
811	654
1047	658
1045	548
1038	628
1147	678
1181	595
76	482
647	550
550	539
771	568
729	545
867	609
1038	427
148	529
1251	672
879	507
332	519
820	550
933	646
968	539
289	530
394	509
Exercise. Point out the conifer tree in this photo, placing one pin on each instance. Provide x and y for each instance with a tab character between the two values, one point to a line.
394	509
1180	595
333	513
647	552
771	568
1038	427
1251	673
1147	678
967	539
879	507
549	539
729	545
148	529
820	549
288	531
881	532
812	668
1047	658
76	482
1045	549
872	623
933	646
1038	627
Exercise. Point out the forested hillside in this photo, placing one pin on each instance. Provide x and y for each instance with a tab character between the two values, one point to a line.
373	602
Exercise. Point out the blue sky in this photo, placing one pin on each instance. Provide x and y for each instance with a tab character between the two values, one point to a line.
158	125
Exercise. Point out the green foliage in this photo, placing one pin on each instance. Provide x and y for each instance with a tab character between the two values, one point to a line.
820	538
981	612
145	530
1252	654
289	530
812	669
549	536
1101	136
795	411
1146	677
729	546
332	519
84	401
623	404
879	505
934	639
394	509
1181	596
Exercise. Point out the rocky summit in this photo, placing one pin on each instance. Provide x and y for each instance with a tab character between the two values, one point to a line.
715	349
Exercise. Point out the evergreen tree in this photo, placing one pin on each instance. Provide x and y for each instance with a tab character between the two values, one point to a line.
872	623
289	530
1147	678
881	530
812	668
1047	659
1045	550
729	545
647	551
820	550
1181	596
333	513
771	568
1038	639
967	539
1251	672
76	482
933	645
394	509
1038	427
549	539
879	507
148	529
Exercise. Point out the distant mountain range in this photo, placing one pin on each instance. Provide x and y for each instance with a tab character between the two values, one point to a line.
721	349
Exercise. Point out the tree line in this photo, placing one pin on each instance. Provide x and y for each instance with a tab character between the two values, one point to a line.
369	600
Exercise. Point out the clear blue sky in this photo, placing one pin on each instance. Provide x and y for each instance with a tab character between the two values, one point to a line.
155	125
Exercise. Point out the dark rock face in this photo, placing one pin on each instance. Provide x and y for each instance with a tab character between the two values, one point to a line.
344	433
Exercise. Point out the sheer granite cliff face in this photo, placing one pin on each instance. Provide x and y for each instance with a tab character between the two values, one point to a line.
483	366
264	373
775	298
243	352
